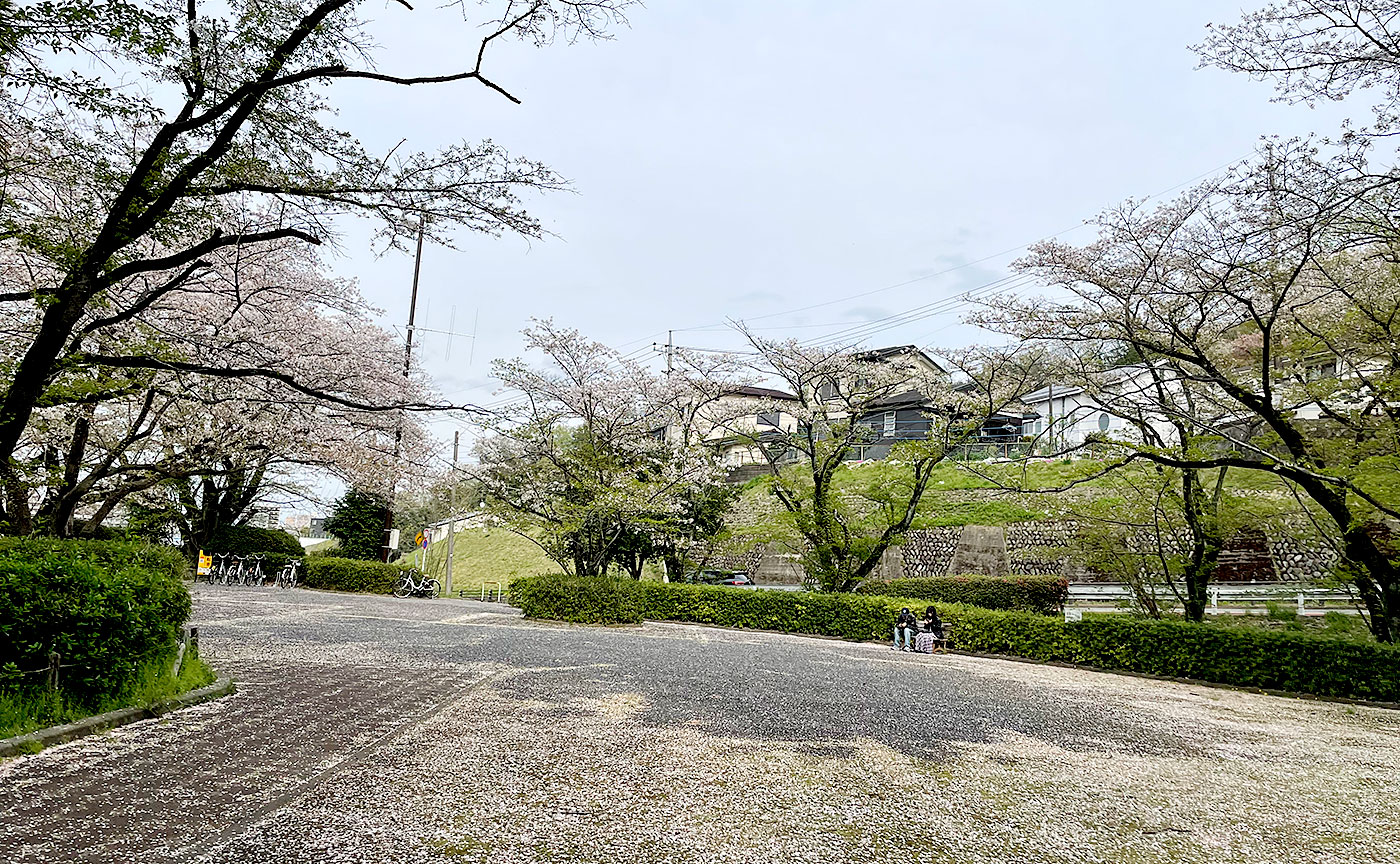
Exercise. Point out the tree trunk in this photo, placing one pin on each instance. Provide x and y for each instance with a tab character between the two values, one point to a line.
27	384
1377	581
1374	569
1202	519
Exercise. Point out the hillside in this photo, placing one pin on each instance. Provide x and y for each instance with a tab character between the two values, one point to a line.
481	554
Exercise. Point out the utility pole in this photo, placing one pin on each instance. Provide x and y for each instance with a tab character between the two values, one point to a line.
670	350
407	365
1050	399
451	515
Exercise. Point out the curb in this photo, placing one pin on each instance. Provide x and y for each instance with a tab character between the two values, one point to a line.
20	744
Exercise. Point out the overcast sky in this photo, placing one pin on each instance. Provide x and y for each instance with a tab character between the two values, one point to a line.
749	159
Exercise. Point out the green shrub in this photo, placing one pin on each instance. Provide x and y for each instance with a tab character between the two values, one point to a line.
1043	594
1295	662
580	599
349	574
276	547
848	616
107	607
107	553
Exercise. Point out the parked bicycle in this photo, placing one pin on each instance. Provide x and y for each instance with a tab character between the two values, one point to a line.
215	575
253	574
230	569
415	584
287	577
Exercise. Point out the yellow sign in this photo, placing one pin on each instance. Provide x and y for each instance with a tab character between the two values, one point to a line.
420	540
206	564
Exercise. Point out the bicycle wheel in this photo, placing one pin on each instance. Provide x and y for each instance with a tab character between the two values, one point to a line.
433	588
403	587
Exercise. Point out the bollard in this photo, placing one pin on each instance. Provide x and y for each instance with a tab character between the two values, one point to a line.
54	659
1301	598
194	640
180	652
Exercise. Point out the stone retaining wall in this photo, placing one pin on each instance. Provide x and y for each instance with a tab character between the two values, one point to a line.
1038	548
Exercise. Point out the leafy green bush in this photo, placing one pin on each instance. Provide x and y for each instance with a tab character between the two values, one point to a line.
580	599
107	607
1043	594
107	553
1295	662
276	547
349	574
251	540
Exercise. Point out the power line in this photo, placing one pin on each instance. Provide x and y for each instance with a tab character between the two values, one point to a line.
944	306
856	332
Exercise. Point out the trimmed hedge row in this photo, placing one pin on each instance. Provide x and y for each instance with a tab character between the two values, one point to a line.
350	574
1043	594
1294	662
166	560
579	599
107	607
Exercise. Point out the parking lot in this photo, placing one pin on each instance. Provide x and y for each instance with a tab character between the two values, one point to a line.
380	730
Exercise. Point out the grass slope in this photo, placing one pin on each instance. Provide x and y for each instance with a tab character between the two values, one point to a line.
482	554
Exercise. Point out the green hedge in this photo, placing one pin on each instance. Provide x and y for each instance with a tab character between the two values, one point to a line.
107	553
1043	594
580	599
107	607
1295	662
276	547
849	616
350	574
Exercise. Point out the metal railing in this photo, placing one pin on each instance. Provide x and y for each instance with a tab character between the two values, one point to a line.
1118	593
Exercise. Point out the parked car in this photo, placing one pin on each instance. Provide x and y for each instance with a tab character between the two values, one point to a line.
725	577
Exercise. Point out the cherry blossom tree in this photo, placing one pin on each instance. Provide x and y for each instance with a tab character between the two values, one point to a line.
119	196
1273	321
597	460
1270	295
201	400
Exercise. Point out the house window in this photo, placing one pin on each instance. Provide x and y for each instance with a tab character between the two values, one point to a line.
1320	369
1103	422
768	418
889	424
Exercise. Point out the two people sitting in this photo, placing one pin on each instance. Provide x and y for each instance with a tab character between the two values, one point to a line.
911	634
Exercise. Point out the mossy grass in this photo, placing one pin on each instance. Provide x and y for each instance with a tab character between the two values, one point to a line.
34	708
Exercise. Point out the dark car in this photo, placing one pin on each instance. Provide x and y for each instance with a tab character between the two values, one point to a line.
725	577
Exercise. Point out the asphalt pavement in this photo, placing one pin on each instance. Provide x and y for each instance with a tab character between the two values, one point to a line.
374	729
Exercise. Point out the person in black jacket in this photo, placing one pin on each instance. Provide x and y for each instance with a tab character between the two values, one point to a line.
905	627
930	632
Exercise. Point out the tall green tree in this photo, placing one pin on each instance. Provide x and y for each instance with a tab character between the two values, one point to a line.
357	521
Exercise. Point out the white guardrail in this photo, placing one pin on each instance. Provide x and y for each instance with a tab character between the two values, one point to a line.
1114	593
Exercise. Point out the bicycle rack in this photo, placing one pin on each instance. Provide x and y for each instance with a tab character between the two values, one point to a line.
497	591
